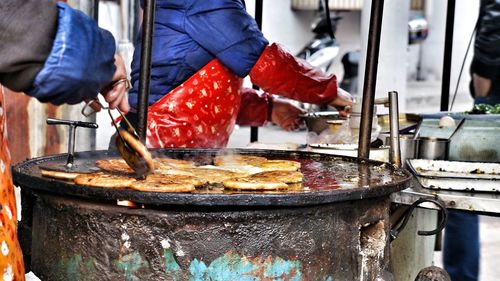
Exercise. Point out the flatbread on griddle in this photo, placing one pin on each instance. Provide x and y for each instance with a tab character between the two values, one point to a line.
236	159
279	176
279	165
251	184
166	183
173	178
213	176
104	180
173	163
114	166
139	159
59	174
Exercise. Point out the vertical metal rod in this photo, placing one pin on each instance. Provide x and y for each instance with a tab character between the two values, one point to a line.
95	11
145	72
448	46
395	151
370	82
254	131
71	146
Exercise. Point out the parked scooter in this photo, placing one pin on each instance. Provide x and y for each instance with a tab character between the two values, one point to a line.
322	49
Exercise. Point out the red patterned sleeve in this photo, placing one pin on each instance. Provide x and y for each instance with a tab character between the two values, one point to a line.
255	108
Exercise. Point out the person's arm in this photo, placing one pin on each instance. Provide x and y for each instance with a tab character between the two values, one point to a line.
486	60
27	31
76	60
227	31
255	109
258	108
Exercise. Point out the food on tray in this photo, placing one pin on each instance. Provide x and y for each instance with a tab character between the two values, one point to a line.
104	180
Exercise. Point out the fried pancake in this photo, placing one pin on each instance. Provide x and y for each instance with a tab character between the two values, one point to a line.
212	176
166	183
228	160
104	180
279	165
174	163
173	178
251	184
59	175
114	166
279	176
135	153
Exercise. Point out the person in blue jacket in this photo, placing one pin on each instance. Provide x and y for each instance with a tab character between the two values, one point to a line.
188	36
55	54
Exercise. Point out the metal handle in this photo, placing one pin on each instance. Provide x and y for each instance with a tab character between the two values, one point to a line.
71	135
53	121
403	220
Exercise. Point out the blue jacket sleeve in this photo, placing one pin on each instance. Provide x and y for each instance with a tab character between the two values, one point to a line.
226	30
80	63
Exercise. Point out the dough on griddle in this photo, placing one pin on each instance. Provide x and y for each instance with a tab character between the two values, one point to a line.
251	184
279	165
104	180
279	176
59	174
236	159
114	166
166	183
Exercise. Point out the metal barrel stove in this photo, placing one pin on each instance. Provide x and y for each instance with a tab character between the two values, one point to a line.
336	227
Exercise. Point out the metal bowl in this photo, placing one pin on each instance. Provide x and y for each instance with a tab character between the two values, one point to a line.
317	121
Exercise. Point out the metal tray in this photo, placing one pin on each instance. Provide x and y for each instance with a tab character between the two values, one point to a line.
456	175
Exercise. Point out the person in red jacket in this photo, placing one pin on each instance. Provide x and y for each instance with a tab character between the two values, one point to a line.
201	51
60	57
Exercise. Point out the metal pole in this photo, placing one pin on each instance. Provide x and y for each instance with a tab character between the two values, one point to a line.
71	146
395	151
448	46
254	131
95	11
370	82
145	72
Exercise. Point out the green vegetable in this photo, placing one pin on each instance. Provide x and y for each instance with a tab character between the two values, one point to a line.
485	109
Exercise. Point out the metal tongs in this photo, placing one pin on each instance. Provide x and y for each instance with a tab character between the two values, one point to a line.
128	143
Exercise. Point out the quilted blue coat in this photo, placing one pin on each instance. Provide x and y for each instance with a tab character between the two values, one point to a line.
190	33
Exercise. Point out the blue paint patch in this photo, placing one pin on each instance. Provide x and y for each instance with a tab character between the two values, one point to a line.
130	264
280	270
198	271
72	267
172	268
232	267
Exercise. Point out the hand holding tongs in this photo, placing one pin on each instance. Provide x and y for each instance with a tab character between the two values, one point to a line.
132	150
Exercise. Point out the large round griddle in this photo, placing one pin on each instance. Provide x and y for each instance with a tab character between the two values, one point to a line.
328	179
